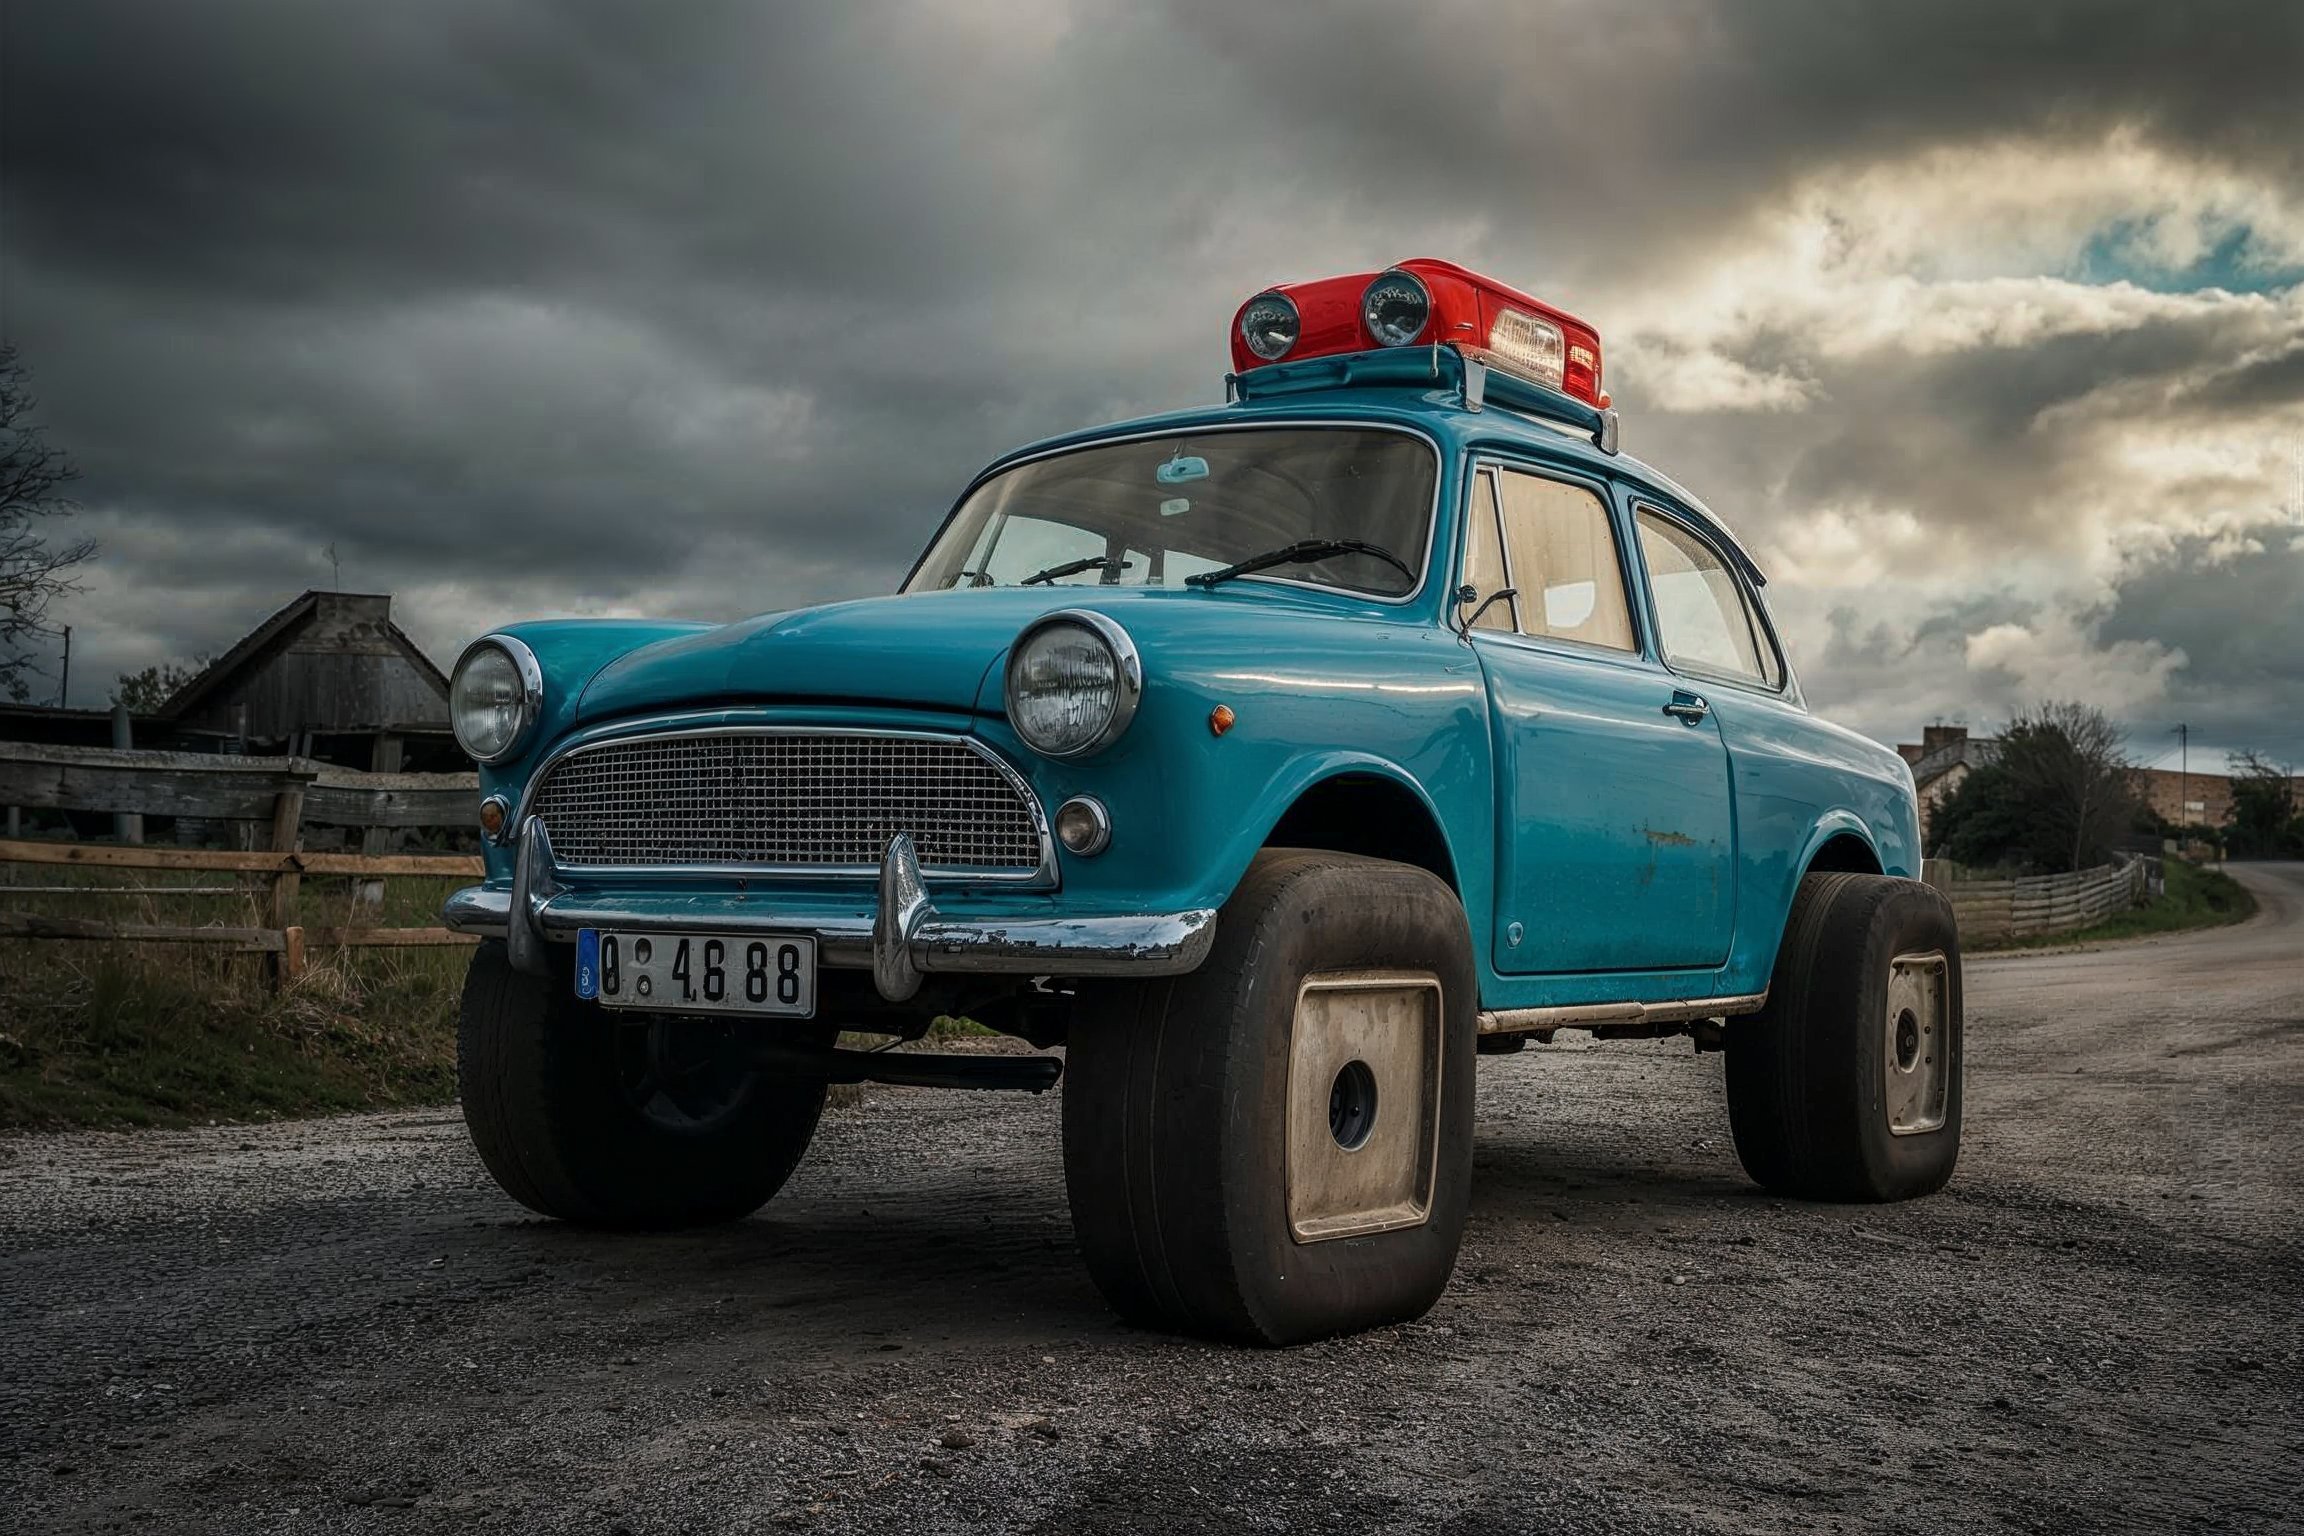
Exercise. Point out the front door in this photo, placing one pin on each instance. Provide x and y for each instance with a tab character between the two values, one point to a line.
1617	833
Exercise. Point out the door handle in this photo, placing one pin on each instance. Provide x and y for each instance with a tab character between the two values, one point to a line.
1687	708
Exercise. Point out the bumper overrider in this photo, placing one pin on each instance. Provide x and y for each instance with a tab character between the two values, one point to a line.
902	939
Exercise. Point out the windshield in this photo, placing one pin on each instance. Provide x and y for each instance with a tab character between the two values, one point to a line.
1153	512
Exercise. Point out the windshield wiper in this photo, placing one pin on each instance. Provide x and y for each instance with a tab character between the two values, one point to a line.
1302	552
1105	563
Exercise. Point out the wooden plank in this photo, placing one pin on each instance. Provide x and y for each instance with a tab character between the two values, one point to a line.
216	860
436	865
123	890
384	938
30	925
345	805
213	785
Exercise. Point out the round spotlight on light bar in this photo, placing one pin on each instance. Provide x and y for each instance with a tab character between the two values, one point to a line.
495	697
1396	308
1084	826
1073	683
1269	325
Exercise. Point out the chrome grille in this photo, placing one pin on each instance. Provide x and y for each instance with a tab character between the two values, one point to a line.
788	800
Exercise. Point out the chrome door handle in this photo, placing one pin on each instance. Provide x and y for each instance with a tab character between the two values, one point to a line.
1687	707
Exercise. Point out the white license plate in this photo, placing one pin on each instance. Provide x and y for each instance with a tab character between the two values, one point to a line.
698	972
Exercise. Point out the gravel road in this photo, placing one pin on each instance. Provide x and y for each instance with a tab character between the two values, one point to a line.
340	1325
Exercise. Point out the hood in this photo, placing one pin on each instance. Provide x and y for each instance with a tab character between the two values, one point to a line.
932	650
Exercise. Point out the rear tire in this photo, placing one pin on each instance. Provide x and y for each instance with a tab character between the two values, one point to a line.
1278	1147
1847	1086
612	1122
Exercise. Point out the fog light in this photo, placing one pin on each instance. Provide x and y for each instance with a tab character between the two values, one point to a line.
493	810
1083	825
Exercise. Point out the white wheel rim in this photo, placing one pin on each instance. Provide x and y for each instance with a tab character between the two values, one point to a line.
1363	1102
1916	1057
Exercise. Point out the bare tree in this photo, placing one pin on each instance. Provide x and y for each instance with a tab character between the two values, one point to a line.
2058	791
33	571
2072	761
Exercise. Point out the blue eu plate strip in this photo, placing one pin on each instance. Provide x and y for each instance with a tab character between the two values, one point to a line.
587	963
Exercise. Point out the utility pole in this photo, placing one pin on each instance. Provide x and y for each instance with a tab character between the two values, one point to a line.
2183	778
64	682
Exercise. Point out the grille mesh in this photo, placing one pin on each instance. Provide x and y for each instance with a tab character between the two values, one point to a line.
801	800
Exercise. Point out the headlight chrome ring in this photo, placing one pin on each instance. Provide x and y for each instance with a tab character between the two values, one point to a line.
528	698
1127	681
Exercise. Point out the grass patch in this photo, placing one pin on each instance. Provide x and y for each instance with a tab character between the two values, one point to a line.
100	1034
172	1034
2193	897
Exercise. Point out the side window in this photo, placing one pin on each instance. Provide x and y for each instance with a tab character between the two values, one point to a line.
1560	547
1484	554
1702	614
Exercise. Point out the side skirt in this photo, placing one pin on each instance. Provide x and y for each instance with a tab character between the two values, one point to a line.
1621	1020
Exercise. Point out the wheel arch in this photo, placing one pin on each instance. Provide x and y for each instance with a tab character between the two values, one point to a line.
1366	807
1839	842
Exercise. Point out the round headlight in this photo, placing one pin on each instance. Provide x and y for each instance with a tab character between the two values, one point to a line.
1073	682
1395	309
1270	325
494	698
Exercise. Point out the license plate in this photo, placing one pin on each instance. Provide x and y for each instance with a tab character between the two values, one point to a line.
698	972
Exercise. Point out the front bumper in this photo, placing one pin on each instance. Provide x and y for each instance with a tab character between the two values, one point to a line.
899	938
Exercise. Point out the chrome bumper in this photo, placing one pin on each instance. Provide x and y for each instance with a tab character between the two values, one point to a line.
903	938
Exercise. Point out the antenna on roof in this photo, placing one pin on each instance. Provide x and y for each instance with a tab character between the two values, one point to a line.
335	568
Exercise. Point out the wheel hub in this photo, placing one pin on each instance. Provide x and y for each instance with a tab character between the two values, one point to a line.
1363	1103
1916	1061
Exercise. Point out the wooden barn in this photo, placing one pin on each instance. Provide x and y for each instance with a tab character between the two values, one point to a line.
329	677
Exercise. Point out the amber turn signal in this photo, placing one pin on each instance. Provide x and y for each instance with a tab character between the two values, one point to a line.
492	815
1220	719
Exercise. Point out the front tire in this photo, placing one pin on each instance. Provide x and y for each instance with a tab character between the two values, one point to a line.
1847	1086
620	1122
1278	1146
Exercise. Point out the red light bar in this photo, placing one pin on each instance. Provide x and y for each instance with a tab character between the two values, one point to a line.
1502	326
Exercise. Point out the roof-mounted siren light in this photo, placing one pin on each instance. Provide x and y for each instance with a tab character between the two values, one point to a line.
1428	303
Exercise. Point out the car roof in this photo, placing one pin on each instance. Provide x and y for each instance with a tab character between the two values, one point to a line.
1426	400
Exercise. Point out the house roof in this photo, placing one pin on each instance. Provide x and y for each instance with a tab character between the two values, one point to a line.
260	642
1967	751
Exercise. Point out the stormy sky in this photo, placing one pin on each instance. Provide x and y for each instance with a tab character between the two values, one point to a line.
1982	322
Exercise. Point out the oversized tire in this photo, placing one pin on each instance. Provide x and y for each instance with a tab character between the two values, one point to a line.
1847	1086
1278	1146
620	1121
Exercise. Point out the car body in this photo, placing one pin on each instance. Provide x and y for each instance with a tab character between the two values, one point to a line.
1606	852
1276	759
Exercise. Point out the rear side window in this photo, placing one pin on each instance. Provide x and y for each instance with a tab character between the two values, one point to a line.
1560	547
1703	616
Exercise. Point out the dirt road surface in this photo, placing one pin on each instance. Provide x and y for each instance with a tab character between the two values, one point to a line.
341	1326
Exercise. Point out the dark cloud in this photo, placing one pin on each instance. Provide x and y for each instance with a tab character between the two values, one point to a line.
2235	606
530	304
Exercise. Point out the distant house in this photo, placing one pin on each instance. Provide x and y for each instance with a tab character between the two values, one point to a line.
1945	755
1942	758
330	676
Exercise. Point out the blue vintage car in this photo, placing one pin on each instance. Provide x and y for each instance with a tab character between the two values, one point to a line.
1276	759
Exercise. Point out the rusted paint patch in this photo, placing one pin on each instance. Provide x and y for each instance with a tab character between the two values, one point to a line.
1667	839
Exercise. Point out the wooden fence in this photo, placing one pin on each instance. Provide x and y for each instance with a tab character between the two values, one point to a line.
1996	911
266	800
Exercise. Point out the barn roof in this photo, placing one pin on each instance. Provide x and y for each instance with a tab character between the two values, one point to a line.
275	632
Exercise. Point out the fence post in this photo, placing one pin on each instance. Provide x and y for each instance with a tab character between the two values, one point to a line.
287	818
127	826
